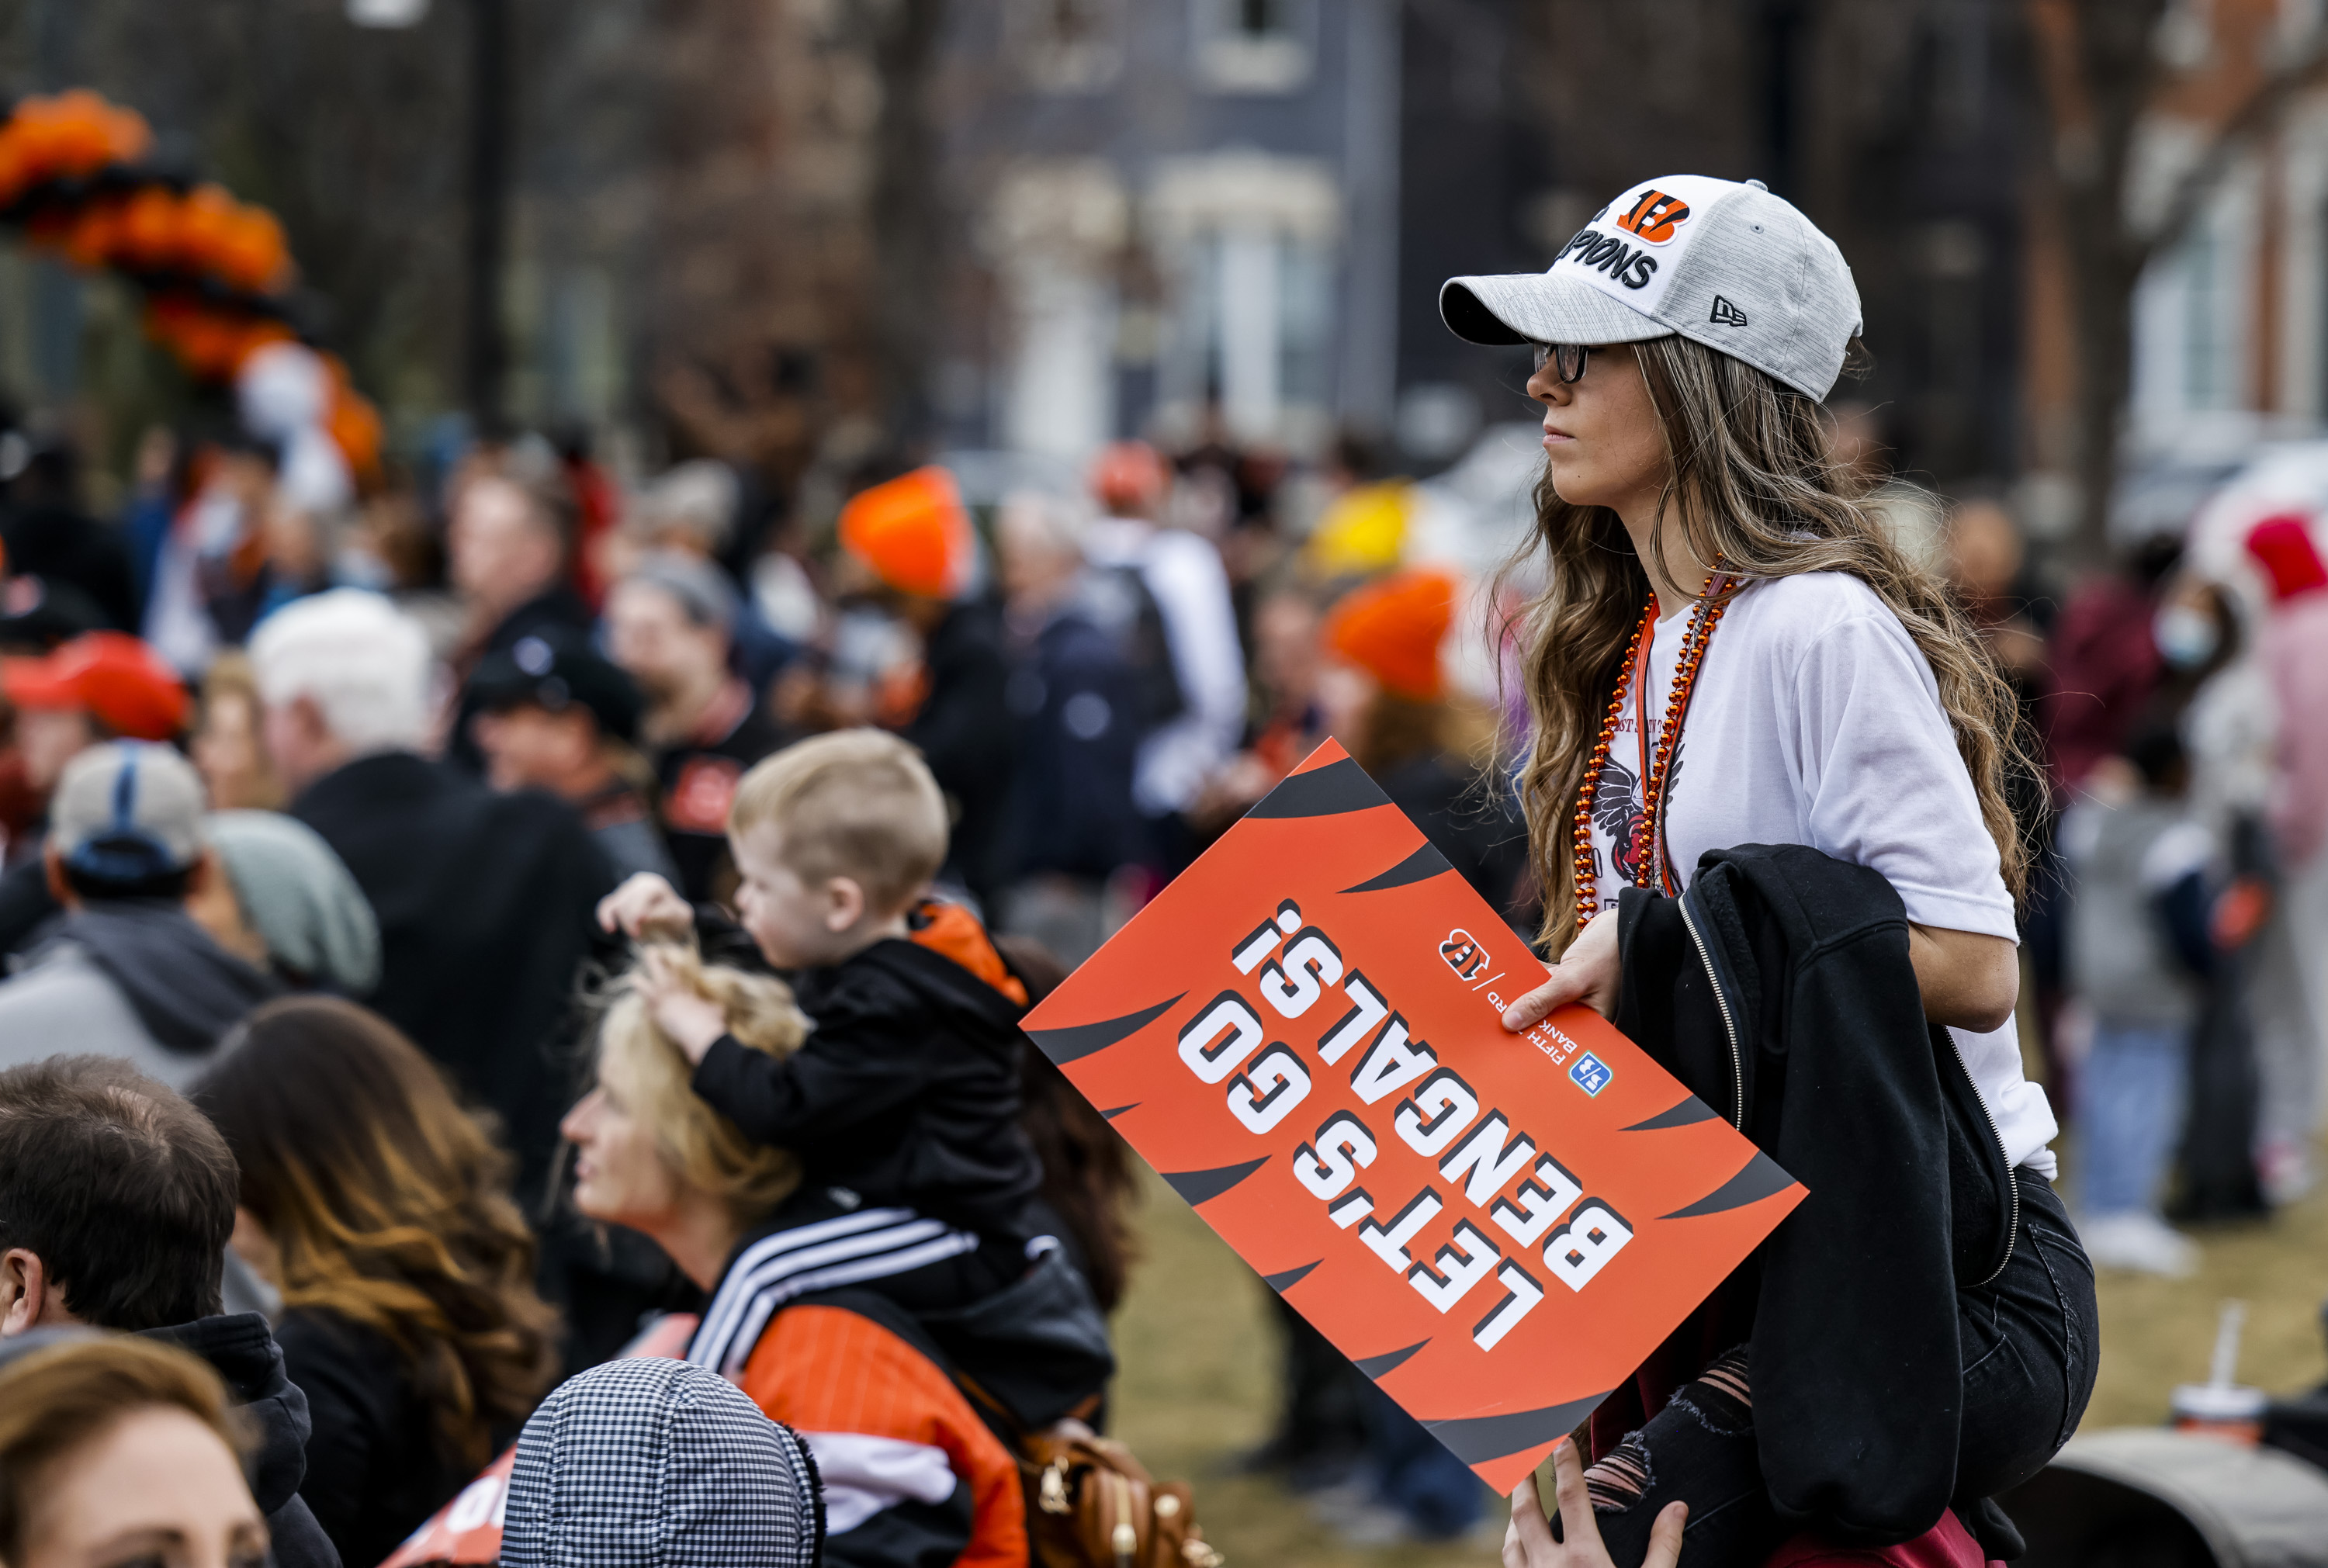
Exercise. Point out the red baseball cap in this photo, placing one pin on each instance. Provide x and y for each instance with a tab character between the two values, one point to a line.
112	676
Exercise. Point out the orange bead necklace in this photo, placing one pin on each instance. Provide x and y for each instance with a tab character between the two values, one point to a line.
1648	834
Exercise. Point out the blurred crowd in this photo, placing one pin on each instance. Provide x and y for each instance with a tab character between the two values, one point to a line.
357	775
289	780
1103	671
2177	787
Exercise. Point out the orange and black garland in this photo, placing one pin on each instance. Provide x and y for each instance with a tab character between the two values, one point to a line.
216	272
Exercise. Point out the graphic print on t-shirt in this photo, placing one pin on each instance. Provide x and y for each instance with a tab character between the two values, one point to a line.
1617	806
1616	809
1818	721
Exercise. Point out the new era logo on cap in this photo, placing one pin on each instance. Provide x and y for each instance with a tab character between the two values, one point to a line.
1725	313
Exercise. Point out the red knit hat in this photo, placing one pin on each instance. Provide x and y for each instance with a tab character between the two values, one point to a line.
2283	546
1392	628
913	532
110	675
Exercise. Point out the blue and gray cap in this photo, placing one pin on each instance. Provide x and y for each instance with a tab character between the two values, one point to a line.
127	812
1727	265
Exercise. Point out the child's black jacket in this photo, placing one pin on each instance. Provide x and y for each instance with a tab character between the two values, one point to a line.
906	1093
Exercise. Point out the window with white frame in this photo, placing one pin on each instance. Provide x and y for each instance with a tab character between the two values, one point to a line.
2206	372
1065	46
1250	242
1254	46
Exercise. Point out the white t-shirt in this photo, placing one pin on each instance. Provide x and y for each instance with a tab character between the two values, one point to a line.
1815	720
1184	575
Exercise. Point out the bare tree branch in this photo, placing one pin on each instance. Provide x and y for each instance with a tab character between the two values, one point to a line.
2259	114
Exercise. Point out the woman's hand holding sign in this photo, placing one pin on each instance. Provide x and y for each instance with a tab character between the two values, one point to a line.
1587	973
1969	982
1528	1543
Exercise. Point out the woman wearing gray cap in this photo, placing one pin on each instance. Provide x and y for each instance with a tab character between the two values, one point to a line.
1766	796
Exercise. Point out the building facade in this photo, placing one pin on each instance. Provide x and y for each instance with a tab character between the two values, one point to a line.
1200	217
1186	212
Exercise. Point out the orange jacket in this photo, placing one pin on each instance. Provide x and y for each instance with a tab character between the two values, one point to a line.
905	1460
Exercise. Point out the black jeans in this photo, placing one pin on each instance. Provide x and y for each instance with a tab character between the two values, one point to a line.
2029	1348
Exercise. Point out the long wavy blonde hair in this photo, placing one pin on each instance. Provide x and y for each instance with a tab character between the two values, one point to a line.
1750	480
390	1206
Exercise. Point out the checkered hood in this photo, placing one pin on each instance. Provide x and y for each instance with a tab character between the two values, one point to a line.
652	1463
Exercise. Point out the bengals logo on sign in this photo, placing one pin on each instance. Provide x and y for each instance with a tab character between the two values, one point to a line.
1655	217
1463	953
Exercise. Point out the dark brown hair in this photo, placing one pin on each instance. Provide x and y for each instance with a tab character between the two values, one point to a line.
124	1192
390	1206
1087	1172
57	1398
1393	730
1750	481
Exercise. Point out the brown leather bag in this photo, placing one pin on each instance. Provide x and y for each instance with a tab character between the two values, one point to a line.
1091	1504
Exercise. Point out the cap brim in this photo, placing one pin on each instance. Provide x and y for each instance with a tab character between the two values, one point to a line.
1539	307
493	689
31	683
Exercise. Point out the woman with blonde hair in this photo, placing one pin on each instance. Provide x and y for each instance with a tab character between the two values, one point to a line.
381	1211
1758	722
229	746
120	1450
910	1473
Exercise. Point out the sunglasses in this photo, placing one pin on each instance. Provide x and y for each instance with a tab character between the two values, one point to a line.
1570	359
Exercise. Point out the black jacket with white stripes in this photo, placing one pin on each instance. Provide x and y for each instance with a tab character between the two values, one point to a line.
906	1093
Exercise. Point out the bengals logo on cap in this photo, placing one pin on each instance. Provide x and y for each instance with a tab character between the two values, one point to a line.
1655	217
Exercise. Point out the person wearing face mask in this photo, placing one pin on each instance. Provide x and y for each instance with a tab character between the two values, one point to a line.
2222	706
2290	994
2188	630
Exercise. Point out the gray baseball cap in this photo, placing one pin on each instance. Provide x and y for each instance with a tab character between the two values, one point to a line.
1727	265
702	589
127	812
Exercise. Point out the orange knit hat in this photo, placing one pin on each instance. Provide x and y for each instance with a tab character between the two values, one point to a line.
1391	629
913	532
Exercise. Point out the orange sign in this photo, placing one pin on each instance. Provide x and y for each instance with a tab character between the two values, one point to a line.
1303	1035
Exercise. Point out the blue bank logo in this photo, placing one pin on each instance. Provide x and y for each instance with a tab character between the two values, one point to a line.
1589	1074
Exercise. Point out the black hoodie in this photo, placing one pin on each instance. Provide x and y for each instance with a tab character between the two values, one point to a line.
242	1351
1778	990
906	1091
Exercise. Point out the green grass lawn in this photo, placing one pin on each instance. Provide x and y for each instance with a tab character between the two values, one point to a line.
2157	1333
1198	1385
1198	1356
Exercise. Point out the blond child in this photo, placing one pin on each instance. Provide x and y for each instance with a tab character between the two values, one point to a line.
903	1105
